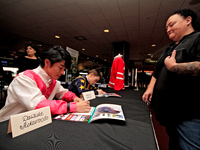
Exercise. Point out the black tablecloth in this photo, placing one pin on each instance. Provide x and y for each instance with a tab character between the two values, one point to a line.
135	133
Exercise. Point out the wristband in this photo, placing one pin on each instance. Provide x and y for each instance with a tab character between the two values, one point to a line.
68	107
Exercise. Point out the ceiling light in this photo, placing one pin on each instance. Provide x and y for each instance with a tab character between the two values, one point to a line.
97	55
149	55
57	36
153	45
104	59
83	49
80	38
106	30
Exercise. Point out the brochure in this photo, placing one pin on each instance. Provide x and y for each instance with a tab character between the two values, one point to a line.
102	111
108	95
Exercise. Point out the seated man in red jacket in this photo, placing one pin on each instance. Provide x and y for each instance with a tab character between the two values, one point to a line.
33	89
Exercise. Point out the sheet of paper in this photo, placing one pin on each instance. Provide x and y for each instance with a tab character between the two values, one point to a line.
88	95
28	121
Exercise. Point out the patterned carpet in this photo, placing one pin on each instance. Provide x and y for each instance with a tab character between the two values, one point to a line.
161	134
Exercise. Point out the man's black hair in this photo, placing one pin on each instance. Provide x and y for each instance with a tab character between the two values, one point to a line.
56	54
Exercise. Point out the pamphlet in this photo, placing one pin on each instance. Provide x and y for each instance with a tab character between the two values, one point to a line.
102	111
108	95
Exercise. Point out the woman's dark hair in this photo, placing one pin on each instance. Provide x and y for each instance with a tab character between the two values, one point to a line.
37	54
56	54
188	12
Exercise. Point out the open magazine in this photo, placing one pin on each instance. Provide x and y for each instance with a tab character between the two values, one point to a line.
108	94
102	111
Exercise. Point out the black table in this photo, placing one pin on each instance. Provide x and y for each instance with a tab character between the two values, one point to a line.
136	133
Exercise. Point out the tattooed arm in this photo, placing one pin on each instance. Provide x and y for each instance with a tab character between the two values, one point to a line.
190	68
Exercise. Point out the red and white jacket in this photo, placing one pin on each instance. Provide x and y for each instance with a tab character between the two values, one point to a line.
33	89
117	74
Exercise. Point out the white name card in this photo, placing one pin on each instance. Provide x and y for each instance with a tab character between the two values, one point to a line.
88	95
28	121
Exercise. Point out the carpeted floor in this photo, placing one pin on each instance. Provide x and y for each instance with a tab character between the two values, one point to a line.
161	134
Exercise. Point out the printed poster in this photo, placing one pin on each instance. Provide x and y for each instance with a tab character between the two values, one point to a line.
74	56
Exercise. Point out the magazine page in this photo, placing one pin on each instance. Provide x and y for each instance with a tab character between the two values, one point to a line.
108	111
108	94
82	117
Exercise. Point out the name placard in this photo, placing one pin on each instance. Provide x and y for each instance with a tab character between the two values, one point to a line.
28	121
88	95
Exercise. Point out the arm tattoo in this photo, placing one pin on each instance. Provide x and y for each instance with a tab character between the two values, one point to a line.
191	68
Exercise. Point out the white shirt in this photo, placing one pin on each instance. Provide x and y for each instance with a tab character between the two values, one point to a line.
24	94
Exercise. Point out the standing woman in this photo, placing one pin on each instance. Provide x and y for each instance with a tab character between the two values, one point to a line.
174	86
30	60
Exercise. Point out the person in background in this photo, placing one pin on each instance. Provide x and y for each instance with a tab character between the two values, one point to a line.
174	86
34	89
1	71
84	83
11	54
30	60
